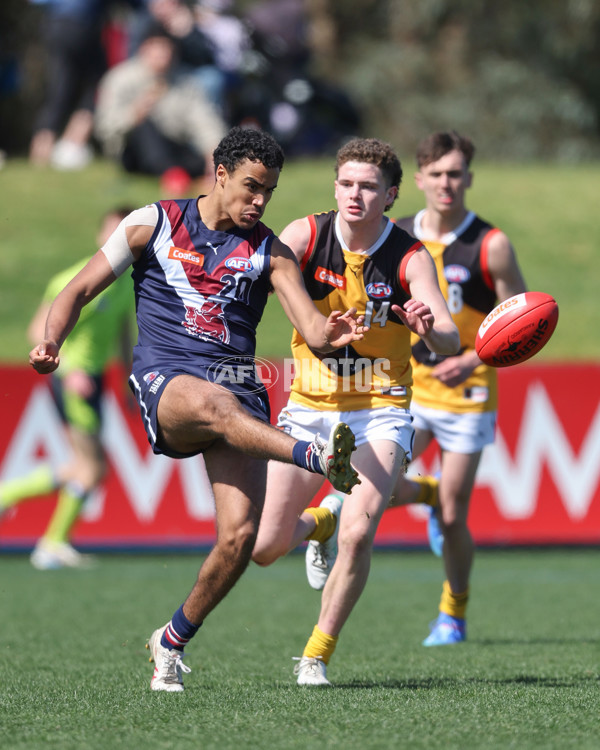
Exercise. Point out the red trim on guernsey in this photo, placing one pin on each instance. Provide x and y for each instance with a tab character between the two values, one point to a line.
180	233
402	270
483	259
311	242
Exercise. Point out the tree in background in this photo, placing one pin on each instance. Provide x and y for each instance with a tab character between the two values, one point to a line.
523	79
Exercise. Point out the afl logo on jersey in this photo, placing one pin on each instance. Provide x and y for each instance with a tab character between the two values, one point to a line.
239	264
379	290
456	274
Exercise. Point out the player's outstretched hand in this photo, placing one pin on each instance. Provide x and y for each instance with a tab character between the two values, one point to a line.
416	316
342	329
44	357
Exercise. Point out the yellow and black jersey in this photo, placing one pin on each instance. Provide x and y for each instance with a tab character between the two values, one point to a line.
461	262
373	372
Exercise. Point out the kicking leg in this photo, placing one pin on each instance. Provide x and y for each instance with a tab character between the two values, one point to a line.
193	413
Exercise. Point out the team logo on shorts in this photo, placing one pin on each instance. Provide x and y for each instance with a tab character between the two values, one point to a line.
154	379
379	290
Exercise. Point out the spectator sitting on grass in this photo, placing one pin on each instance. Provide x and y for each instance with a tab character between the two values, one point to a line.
152	118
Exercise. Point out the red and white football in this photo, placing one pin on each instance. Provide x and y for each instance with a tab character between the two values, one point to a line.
516	329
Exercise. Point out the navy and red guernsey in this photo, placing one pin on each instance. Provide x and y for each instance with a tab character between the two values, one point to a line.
200	291
200	295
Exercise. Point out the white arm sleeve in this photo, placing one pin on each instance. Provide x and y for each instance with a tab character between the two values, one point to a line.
116	248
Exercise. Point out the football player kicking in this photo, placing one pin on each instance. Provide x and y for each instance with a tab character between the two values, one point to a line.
202	270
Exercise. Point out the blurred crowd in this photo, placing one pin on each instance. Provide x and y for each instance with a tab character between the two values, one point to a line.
155	84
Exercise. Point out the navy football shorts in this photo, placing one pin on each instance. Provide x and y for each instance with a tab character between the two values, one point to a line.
151	373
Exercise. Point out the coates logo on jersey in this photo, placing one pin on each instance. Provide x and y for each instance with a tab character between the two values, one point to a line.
207	321
456	274
186	256
239	264
379	290
329	277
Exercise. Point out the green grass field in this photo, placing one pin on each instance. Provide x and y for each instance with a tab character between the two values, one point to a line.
75	674
49	219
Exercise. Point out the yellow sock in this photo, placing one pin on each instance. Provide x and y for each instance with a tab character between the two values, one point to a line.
320	645
325	524
428	490
452	604
40	481
65	514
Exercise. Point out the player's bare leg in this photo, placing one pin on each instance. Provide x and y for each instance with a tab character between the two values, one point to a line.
407	491
456	485
193	413
77	479
88	464
238	483
284	525
379	464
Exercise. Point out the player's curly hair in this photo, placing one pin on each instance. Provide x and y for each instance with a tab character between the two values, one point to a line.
248	143
439	144
372	151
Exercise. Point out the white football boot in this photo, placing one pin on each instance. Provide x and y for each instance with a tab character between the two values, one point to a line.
168	665
334	457
311	671
49	555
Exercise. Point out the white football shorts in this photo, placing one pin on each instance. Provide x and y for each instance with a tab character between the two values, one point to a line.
385	423
458	433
